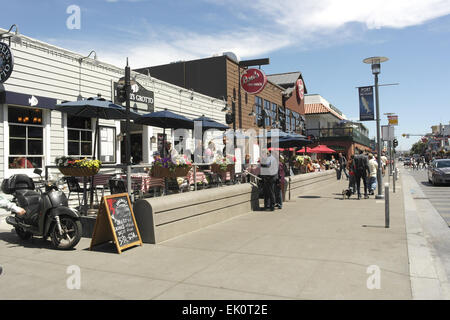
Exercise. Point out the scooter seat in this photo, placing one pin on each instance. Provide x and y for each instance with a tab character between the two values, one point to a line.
31	201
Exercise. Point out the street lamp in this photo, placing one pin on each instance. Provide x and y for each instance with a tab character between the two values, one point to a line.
376	68
14	37
80	61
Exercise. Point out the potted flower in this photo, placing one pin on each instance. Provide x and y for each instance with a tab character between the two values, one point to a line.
171	167
301	162
77	167
222	164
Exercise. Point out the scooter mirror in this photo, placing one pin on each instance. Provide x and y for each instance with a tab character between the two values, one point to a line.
37	171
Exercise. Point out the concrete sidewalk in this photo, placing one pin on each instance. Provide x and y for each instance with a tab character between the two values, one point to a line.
317	247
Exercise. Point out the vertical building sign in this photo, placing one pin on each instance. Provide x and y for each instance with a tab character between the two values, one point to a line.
366	109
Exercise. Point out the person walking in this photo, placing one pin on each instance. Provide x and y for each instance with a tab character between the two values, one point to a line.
269	173
279	188
373	168
342	165
361	169
351	175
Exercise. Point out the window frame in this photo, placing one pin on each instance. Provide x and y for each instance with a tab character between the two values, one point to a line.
80	141
26	155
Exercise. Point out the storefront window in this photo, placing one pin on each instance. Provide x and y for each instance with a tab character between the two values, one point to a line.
274	112
288	120
26	138
79	133
258	107
267	108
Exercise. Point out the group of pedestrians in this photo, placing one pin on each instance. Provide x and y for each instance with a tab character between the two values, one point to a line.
273	172
361	167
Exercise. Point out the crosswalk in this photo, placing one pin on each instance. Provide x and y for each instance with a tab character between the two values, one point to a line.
439	196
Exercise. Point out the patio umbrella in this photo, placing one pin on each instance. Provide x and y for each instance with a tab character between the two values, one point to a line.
291	141
305	150
165	119
95	107
208	123
321	148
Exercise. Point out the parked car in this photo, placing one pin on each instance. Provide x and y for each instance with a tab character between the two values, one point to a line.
407	162
439	171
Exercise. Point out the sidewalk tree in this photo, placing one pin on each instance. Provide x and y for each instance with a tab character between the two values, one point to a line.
418	148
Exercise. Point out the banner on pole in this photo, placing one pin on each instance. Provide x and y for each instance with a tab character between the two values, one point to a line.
366	106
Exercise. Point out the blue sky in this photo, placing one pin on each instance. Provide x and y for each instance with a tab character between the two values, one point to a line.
324	39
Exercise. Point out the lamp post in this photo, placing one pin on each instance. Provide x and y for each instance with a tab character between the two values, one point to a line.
376	67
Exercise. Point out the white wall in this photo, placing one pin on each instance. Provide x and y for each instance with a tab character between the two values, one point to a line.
48	71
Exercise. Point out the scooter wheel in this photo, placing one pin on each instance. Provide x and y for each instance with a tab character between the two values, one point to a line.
71	233
24	235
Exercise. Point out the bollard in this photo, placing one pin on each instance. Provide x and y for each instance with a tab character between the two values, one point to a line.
386	205
393	179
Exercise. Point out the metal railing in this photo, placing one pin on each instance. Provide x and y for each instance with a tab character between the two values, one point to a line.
341	133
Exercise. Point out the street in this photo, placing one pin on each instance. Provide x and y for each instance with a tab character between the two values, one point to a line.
438	195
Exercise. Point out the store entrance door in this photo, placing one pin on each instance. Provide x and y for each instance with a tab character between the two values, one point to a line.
136	143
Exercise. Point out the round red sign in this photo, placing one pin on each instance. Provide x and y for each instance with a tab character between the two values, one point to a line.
300	89
253	81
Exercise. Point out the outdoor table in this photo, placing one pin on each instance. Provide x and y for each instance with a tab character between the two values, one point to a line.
145	181
199	177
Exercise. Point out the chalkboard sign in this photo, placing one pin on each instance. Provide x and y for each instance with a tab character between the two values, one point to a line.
116	222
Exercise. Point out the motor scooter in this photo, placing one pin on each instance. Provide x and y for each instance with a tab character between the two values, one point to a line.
47	212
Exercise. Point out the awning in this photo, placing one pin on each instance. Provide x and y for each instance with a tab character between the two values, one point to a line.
21	99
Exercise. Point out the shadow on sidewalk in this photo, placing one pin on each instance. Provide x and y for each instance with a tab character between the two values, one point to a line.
13	241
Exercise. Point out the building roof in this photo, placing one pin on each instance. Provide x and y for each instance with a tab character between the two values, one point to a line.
287	80
317	108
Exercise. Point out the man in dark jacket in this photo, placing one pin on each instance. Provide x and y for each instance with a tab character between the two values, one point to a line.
269	174
362	171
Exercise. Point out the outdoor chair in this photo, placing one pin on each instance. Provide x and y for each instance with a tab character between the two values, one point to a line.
74	186
117	186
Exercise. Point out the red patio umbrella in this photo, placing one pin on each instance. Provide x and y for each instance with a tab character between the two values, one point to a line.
321	148
302	150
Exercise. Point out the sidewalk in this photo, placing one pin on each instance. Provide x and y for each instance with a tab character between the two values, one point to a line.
317	247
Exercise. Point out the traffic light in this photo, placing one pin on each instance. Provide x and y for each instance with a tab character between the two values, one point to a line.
121	93
395	143
229	118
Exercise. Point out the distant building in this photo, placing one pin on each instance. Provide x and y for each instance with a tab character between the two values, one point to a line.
329	126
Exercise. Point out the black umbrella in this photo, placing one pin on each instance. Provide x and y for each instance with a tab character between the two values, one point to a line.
95	107
165	119
208	123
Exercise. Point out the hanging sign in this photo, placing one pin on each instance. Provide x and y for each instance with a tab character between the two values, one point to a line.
300	89
6	62
253	81
366	109
393	120
115	222
139	94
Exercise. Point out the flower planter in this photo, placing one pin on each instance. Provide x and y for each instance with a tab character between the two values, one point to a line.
78	172
161	172
216	168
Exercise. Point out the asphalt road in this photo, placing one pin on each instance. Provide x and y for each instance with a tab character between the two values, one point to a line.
439	196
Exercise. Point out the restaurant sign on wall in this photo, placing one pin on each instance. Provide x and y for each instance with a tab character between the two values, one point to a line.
253	81
6	62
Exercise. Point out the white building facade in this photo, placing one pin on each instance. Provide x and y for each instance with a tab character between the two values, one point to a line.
33	133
